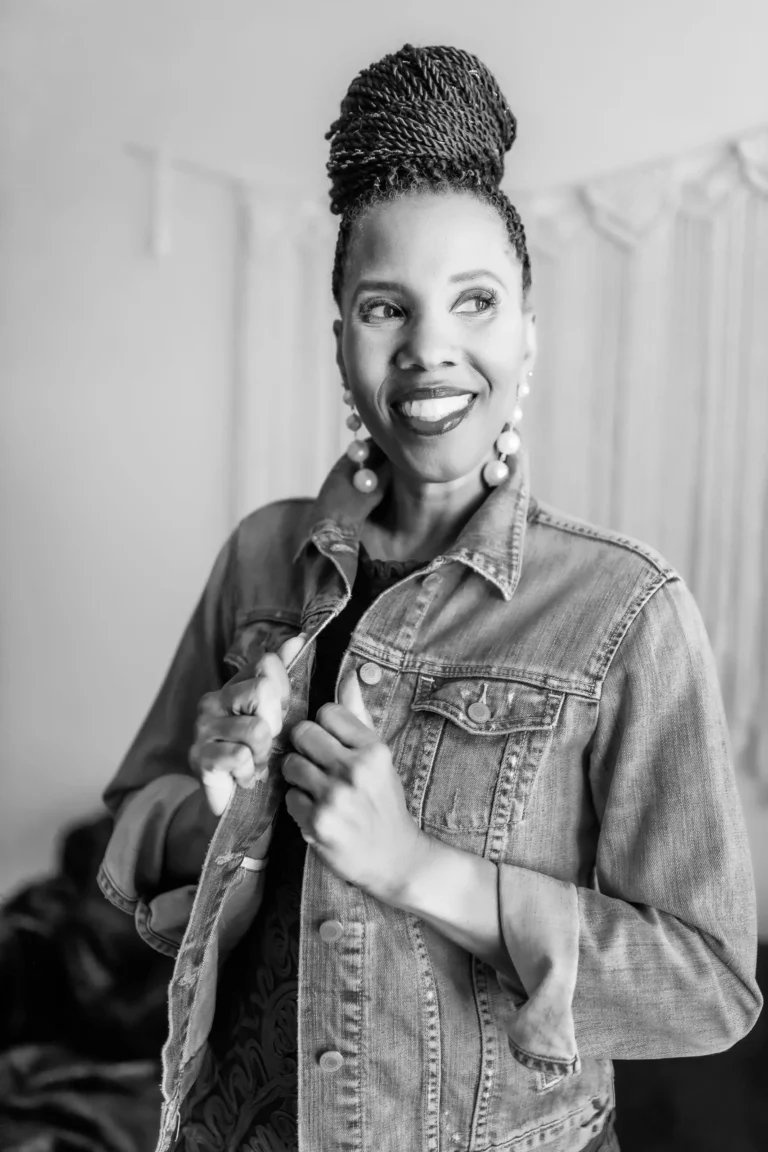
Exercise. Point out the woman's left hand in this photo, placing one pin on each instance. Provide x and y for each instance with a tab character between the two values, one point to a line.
348	799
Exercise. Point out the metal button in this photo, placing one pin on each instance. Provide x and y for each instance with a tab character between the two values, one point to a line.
331	1061
370	673
331	930
478	711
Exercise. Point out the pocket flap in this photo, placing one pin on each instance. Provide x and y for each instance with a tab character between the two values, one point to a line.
486	706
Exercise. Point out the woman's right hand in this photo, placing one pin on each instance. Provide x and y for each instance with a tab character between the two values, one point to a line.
236	725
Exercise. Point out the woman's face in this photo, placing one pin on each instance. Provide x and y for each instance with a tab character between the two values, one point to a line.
433	295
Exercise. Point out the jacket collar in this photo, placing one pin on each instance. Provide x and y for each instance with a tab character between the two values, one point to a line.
491	542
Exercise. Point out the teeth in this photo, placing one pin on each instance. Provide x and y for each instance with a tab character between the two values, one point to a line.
435	409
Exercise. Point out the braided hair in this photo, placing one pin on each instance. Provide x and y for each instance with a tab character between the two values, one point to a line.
421	119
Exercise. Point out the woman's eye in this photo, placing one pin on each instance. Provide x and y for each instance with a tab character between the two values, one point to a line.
379	310
482	301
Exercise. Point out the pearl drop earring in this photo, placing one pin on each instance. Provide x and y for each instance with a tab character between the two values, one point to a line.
507	443
365	479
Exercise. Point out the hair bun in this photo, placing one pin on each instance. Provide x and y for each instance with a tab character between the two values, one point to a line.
435	112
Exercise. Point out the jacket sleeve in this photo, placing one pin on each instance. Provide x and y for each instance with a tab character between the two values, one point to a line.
658	958
154	780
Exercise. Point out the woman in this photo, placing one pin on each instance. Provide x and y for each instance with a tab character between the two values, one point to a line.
502	735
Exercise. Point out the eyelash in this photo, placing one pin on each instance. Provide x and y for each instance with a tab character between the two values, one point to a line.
487	295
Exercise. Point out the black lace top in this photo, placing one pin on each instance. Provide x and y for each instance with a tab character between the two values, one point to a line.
245	1097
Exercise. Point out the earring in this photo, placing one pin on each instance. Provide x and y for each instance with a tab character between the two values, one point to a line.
507	442
365	479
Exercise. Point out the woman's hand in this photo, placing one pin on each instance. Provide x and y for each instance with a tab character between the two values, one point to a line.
348	799
236	725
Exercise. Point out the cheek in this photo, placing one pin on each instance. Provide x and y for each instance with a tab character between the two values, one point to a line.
509	338
366	356
499	357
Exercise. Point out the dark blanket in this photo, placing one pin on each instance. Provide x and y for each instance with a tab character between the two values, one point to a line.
54	1100
82	1014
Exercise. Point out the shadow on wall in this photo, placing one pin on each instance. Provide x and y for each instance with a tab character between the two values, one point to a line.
83	1018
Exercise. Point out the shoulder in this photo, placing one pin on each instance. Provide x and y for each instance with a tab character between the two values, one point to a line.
612	594
281	524
590	543
255	576
258	557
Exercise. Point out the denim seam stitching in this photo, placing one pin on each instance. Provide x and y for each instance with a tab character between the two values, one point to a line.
113	893
621	629
567	1121
546	1063
593	533
268	615
149	936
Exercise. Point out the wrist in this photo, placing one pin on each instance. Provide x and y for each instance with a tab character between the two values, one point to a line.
456	892
404	893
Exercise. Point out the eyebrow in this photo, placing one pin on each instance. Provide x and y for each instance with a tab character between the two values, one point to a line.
475	274
394	286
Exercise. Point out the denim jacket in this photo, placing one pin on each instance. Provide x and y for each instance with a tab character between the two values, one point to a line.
549	695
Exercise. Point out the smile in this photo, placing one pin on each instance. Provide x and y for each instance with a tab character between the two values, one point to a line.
432	418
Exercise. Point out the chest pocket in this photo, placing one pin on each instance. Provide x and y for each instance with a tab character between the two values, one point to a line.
260	632
477	743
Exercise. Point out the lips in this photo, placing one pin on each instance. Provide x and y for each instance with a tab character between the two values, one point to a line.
433	427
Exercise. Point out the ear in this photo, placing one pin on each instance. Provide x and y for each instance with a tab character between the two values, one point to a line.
338	330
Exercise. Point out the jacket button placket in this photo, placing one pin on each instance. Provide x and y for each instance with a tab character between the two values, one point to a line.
370	673
331	930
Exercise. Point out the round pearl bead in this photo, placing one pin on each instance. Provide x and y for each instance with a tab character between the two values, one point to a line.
365	480
508	442
354	422
358	451
348	397
494	472
525	388
517	415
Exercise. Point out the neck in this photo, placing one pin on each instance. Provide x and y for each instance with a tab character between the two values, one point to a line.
417	520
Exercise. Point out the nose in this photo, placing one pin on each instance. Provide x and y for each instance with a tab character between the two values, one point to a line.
427	345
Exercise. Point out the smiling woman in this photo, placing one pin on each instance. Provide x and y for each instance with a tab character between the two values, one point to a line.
496	843
431	274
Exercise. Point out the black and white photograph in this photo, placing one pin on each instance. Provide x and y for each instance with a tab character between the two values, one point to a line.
383	576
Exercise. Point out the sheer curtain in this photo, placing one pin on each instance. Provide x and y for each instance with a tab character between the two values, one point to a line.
650	413
649	407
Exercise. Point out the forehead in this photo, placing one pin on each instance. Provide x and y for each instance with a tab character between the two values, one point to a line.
430	236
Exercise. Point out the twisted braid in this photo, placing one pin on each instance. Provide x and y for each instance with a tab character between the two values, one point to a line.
421	119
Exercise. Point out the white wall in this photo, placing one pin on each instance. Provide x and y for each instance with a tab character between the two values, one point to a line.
114	368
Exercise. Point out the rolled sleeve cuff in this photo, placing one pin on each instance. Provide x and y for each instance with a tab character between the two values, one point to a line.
540	925
132	866
160	922
163	921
